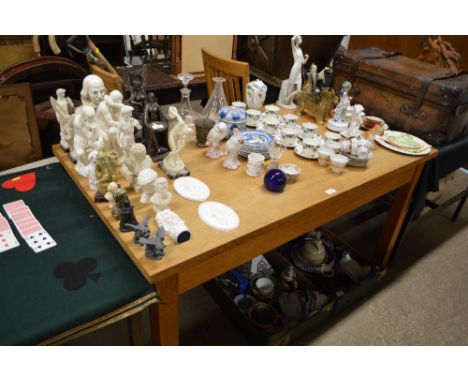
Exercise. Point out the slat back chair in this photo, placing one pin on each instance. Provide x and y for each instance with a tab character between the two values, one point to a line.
235	72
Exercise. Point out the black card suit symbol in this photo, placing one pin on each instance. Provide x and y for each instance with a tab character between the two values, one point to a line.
76	274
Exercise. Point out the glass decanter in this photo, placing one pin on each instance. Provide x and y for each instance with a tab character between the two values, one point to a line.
185	109
216	101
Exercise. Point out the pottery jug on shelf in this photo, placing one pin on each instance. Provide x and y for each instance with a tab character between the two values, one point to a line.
255	94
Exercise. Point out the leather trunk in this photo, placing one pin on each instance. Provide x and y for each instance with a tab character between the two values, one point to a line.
422	99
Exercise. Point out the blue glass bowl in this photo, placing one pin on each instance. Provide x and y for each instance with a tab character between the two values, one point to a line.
275	180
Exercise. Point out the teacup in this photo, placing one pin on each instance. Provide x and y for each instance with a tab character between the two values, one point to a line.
270	124
290	120
330	136
310	130
255	163
324	154
239	105
272	110
253	117
338	163
335	146
265	287
310	146
288	137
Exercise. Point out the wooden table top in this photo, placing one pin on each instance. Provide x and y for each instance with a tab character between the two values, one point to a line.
259	210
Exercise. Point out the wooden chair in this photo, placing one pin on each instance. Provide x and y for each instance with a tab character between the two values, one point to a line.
236	74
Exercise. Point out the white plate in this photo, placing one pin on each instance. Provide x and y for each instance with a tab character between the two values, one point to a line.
298	151
387	145
218	216
191	188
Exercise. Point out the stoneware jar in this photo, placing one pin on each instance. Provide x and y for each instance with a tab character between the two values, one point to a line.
255	94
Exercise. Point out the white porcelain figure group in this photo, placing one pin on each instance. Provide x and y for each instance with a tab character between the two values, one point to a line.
104	125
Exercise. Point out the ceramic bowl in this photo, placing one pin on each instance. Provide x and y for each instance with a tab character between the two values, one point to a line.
244	301
291	170
263	315
233	117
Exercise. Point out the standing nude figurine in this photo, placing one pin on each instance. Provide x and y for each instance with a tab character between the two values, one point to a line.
61	105
173	165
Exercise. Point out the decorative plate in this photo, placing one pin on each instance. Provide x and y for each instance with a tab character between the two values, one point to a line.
218	216
256	138
381	141
404	140
191	188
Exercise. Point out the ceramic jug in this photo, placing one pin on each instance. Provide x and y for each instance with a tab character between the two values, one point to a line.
255	94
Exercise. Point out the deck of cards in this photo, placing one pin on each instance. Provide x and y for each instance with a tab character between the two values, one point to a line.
28	226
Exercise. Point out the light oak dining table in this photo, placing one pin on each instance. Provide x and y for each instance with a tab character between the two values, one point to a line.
267	220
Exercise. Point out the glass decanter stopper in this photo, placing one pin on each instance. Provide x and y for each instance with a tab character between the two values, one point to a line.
217	100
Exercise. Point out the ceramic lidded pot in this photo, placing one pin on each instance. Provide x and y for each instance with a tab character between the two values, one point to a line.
233	117
255	94
275	180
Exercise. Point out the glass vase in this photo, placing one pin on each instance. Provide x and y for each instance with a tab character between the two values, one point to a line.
216	101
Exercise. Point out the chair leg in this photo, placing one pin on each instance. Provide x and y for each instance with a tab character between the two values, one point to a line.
135	332
459	208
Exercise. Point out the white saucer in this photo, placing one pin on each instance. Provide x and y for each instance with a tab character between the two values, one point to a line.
298	151
218	216
191	188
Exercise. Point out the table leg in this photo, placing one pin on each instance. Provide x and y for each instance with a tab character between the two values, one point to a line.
164	317
395	218
135	332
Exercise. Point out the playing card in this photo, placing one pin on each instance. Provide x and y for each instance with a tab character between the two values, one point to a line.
40	241
7	240
20	214
13	205
30	229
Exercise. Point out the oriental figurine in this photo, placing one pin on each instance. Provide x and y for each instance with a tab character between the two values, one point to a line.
136	161
154	134
105	173
339	121
173	165
293	85
61	106
114	195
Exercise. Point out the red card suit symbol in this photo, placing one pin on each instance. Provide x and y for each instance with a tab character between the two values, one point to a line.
22	183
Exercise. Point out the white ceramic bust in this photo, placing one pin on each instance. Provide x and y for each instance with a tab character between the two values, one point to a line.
162	197
61	105
136	161
93	90
146	181
173	164
173	225
213	140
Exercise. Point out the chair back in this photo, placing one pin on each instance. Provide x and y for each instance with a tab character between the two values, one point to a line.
235	72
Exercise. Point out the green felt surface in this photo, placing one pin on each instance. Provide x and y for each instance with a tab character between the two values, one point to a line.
34	305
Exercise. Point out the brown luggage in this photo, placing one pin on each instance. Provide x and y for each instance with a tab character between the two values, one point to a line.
422	99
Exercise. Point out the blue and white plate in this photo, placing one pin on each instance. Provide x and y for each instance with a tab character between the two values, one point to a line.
256	138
